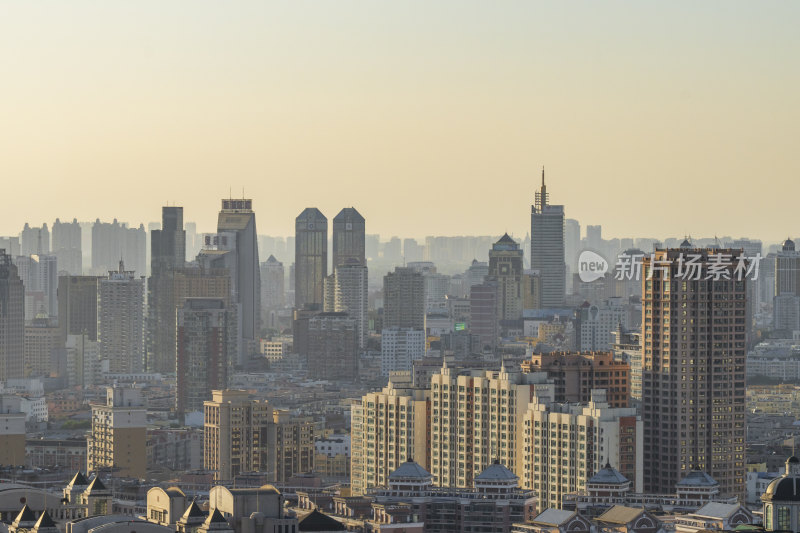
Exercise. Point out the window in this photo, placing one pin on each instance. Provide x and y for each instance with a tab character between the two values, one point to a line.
783	518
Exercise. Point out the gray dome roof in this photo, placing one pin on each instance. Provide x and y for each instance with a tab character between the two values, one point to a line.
698	478
783	489
496	472
609	476
410	470
788	245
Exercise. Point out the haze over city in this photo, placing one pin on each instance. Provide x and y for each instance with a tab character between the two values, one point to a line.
399	267
431	118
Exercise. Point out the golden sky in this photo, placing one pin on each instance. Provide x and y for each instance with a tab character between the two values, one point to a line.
651	118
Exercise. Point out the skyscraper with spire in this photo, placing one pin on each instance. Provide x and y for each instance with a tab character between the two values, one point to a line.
547	247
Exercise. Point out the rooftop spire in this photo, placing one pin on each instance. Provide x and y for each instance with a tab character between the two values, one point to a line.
540	201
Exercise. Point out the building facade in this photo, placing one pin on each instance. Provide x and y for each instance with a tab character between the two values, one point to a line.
577	374
404	299
505	267
118	439
238	218
564	445
12	320
349	230
693	370
206	350
120	320
547	248
310	257
333	347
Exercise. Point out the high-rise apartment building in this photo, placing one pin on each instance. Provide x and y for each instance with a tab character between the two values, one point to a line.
118	439
34	241
67	246
235	434
404	299
168	244
476	273
332	347
167	253
786	302
272	291
483	314
693	369
576	374
12	320
195	281
120	320
77	306
291	445
389	428
505	267
12	431
564	445
400	347
43	349
531	289
113	242
39	274
206	349
346	291
547	248
348	237
596	324
10	245
477	418
243	435
84	366
310	258
237	217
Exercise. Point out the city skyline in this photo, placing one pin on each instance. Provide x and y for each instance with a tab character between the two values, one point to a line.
639	102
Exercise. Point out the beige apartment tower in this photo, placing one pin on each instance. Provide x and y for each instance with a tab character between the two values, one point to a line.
476	419
118	442
12	431
235	433
388	428
243	434
694	331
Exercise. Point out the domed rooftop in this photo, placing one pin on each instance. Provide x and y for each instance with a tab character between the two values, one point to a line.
783	489
608	476
787	487
788	245
410	470
496	472
698	478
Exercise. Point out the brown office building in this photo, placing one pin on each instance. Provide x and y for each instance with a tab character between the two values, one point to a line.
693	369
576	374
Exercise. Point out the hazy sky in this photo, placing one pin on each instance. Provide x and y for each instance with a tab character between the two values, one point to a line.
651	118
